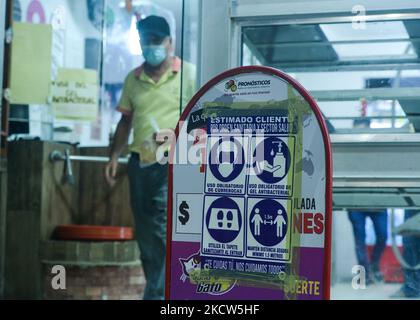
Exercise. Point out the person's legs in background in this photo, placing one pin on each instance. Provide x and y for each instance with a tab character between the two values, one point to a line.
380	224
358	221
411	254
148	193
158	208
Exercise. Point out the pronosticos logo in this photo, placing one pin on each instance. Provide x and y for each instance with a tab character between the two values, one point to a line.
234	85
231	85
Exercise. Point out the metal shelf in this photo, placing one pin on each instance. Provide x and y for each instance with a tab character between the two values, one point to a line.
370	94
369	171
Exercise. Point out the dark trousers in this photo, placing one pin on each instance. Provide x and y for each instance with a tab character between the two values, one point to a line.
380	224
148	196
411	254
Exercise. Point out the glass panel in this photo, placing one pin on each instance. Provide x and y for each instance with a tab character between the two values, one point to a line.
347	69
190	41
122	50
122	53
2	27
365	80
76	44
99	36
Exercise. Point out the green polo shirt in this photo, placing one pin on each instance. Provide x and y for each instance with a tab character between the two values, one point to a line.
155	106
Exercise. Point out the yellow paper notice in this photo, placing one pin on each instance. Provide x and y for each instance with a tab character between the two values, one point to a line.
78	75
31	63
75	94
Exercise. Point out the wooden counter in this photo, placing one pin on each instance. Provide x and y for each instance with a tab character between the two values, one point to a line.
38	201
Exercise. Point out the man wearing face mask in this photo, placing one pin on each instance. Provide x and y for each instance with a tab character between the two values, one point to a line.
150	103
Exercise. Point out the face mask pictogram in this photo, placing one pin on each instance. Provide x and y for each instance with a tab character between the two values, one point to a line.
227	156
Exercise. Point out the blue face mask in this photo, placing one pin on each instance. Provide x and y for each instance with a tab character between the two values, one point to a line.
154	54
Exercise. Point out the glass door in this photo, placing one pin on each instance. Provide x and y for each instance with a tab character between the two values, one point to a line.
365	77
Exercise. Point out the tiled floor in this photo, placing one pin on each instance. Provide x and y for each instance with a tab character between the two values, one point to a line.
383	291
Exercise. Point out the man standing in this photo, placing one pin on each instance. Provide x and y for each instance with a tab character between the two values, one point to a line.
150	102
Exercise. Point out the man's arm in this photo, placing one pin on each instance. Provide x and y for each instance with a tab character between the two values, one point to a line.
121	136
119	142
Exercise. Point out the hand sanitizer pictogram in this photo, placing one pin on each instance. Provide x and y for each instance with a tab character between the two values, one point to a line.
279	161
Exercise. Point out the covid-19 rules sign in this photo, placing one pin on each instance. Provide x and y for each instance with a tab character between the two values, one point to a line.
250	184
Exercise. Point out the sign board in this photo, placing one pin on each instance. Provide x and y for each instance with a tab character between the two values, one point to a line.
250	192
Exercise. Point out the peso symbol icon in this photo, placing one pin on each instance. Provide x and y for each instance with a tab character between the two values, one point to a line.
184	214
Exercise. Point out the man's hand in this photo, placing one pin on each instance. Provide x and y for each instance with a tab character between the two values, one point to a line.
111	171
120	141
